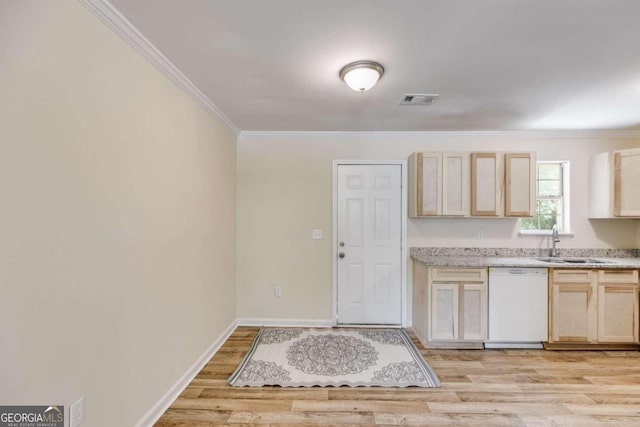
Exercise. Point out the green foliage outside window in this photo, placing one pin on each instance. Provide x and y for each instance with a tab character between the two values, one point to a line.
546	215
549	200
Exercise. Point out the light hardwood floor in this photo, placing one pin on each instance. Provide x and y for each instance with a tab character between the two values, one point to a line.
533	388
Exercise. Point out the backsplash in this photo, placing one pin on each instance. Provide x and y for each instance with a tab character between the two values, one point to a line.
525	252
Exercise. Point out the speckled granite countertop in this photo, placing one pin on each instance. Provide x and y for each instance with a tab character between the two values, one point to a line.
517	257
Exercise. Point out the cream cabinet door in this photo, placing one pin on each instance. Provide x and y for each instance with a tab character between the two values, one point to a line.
520	184
429	184
444	312
486	184
455	184
617	313
473	312
626	183
573	312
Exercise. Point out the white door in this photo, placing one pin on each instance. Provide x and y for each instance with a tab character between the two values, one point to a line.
369	244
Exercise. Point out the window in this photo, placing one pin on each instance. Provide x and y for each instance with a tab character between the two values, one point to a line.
552	199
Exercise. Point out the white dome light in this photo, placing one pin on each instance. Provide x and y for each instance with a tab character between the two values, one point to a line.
361	75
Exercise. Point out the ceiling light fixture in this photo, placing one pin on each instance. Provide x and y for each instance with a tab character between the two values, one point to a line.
361	75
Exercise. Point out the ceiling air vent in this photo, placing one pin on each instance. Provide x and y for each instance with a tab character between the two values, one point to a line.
418	98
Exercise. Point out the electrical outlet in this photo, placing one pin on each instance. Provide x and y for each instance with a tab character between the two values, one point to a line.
316	234
278	292
76	413
480	235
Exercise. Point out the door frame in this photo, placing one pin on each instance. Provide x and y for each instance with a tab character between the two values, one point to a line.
403	233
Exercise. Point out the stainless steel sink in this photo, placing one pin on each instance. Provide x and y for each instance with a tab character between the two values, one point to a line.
587	261
575	260
554	260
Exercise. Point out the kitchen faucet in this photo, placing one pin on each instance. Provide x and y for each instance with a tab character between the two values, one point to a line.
555	238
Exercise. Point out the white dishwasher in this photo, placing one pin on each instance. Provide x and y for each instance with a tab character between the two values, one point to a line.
517	307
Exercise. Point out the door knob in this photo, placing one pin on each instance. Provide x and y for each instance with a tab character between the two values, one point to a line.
341	255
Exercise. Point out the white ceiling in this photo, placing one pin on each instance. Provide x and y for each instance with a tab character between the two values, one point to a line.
497	64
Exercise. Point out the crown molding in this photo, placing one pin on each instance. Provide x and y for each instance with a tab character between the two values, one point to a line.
550	134
108	14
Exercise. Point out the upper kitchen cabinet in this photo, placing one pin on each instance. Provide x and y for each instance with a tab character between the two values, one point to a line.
520	184
486	184
503	184
472	184
438	184
614	184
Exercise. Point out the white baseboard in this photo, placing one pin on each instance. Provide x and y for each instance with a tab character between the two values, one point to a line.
314	323
163	404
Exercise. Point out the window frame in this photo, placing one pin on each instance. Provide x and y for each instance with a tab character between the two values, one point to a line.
565	166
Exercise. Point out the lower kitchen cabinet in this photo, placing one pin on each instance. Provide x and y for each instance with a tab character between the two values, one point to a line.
593	307
450	306
618	313
572	314
458	312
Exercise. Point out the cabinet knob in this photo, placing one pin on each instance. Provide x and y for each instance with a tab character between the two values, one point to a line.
341	255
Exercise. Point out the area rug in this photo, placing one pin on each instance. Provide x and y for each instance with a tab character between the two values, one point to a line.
305	357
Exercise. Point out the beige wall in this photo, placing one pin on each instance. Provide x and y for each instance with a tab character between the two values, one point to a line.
284	191
117	226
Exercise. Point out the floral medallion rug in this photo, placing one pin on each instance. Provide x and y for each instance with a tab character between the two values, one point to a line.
304	357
